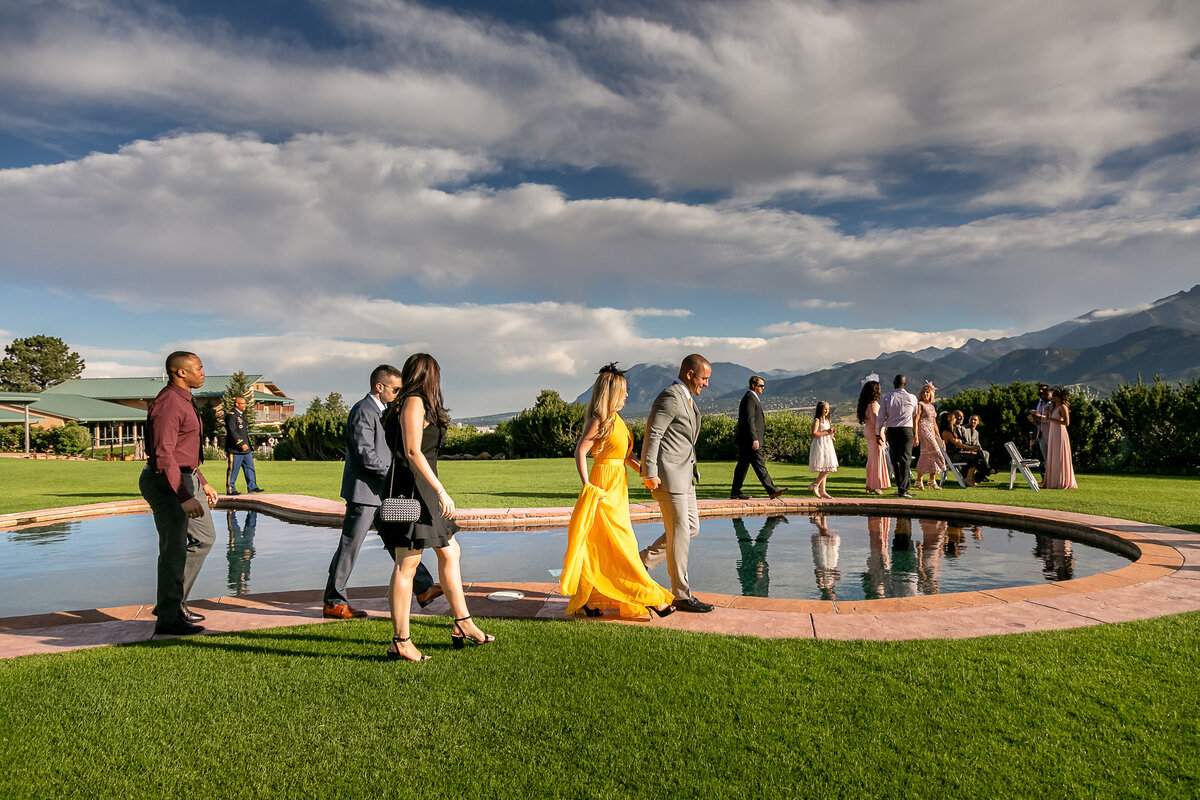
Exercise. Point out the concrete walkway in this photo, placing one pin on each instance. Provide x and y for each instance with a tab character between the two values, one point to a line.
1165	579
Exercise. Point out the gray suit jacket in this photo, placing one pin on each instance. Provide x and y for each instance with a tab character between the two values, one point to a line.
367	455
669	449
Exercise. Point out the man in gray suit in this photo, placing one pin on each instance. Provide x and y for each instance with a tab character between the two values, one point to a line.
668	469
368	459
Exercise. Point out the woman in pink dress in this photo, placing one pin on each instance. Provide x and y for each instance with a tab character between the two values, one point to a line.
868	413
1060	472
931	462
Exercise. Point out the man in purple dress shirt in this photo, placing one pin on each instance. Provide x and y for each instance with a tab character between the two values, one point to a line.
172	484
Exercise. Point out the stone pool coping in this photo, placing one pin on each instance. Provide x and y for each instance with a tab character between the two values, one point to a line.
1164	579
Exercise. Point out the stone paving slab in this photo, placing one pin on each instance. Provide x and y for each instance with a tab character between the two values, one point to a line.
1165	579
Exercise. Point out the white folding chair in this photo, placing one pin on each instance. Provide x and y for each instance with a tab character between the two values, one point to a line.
1022	464
952	466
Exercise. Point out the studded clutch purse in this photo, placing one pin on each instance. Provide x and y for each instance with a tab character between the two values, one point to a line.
400	509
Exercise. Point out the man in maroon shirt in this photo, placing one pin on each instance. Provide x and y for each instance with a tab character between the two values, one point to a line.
172	485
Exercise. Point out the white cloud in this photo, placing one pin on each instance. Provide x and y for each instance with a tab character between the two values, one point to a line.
756	97
814	302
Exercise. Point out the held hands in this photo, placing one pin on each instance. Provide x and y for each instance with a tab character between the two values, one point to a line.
651	483
754	445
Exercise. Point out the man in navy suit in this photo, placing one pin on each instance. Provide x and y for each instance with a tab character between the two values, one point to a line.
368	459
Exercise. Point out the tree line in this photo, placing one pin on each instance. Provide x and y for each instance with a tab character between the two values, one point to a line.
1141	427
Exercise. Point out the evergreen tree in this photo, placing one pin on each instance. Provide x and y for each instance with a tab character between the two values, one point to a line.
38	362
239	386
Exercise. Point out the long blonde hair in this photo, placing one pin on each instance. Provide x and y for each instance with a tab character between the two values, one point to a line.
607	393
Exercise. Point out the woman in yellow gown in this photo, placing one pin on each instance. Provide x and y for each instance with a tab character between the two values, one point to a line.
602	569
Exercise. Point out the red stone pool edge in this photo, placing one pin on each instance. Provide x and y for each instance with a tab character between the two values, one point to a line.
1164	579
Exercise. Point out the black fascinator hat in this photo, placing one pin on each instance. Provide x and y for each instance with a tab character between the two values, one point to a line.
611	369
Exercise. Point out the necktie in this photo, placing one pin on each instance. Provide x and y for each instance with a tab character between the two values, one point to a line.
200	447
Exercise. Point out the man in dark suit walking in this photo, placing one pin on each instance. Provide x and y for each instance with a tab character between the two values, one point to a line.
368	459
237	449
749	435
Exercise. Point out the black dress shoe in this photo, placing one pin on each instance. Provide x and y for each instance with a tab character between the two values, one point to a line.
179	627
189	615
907	495
256	490
693	605
739	496
232	493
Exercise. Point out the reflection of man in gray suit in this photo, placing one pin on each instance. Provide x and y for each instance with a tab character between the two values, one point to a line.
368	459
668	469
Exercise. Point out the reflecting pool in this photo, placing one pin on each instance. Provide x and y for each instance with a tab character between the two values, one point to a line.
110	561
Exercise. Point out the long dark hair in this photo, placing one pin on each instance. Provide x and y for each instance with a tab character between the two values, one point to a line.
869	394
422	378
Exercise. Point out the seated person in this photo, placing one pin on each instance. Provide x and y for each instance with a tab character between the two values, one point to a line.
960	451
970	435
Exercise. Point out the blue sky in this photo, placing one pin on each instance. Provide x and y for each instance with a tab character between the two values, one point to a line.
531	189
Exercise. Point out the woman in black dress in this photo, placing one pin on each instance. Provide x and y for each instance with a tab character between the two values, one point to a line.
415	425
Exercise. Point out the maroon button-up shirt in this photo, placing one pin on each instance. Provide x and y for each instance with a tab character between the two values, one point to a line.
173	433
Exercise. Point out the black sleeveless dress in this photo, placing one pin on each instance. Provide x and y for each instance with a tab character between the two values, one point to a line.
432	529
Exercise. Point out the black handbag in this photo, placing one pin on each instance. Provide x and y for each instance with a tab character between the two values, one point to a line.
399	509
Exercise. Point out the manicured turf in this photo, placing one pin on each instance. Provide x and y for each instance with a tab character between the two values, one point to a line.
553	482
562	709
578	709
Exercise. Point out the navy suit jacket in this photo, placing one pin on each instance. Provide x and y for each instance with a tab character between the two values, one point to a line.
367	455
751	426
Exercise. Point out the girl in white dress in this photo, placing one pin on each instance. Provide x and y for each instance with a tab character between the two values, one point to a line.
822	458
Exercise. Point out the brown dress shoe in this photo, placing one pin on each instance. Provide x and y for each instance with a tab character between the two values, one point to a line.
341	612
773	495
739	496
429	595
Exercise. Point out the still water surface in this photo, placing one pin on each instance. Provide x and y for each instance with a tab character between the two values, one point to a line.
110	561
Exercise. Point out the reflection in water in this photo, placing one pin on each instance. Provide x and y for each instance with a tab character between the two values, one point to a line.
879	558
1058	562
44	534
825	546
752	570
929	555
241	551
902	578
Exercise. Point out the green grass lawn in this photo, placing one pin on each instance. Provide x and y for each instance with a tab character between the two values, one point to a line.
572	709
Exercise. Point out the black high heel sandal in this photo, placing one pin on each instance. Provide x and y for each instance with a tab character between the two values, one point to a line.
666	612
394	655
461	640
593	612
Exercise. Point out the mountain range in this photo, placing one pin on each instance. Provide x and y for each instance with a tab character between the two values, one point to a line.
1099	350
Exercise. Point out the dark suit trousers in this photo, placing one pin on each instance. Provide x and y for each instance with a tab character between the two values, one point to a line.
355	525
749	457
900	447
183	543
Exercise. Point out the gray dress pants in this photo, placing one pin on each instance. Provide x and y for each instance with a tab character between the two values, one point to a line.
355	525
681	524
183	543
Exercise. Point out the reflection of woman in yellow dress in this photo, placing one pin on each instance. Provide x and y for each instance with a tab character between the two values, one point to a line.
602	569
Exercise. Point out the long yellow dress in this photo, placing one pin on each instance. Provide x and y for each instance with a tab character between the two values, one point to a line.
601	568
